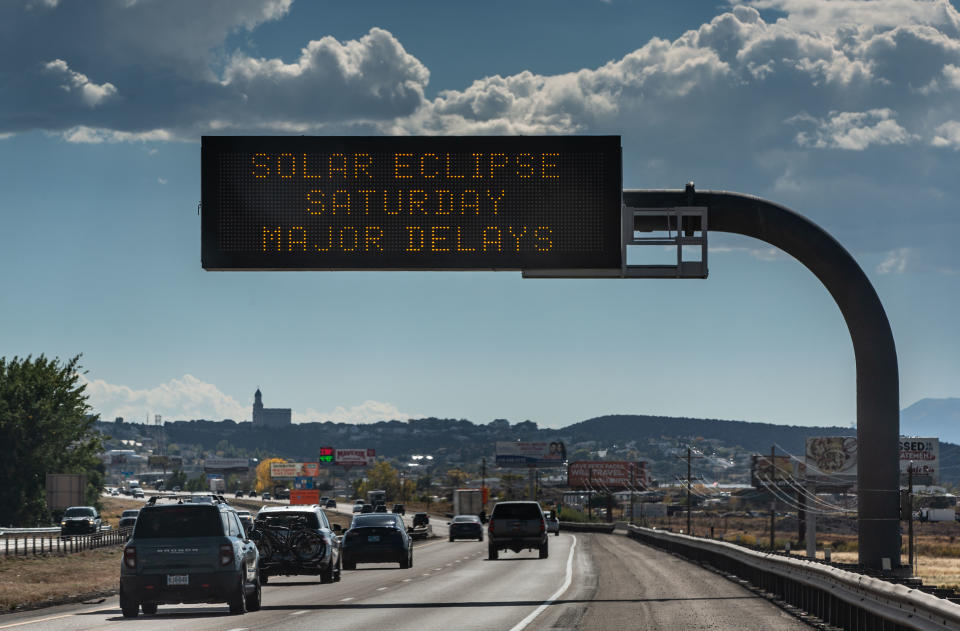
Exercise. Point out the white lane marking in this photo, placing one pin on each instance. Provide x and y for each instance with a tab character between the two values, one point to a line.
348	598
239	629
407	580
566	583
437	569
457	561
48	618
426	575
297	613
380	589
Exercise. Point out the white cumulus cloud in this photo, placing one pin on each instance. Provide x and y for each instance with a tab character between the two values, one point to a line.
947	135
91	94
853	131
184	398
895	262
366	412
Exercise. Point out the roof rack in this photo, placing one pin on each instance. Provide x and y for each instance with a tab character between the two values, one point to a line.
186	498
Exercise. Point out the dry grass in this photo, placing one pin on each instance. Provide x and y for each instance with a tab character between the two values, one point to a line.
33	581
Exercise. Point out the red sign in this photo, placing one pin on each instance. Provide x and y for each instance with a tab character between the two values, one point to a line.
603	475
304	496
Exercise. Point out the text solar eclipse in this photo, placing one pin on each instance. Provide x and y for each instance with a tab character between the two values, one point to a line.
411	203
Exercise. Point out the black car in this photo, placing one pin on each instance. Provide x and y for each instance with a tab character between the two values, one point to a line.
366	508
377	538
187	552
80	520
399	509
297	540
331	503
466	527
380	508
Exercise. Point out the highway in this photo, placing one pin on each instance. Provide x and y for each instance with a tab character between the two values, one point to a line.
590	582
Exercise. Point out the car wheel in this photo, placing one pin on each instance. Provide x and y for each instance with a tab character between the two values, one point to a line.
128	606
544	551
480	538
328	575
264	578
339	570
253	600
238	600
451	537
349	565
405	561
492	553
556	534
149	608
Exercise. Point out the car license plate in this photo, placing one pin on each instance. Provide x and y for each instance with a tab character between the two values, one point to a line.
373	538
178	579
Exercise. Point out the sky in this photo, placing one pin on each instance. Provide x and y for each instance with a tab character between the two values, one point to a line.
845	111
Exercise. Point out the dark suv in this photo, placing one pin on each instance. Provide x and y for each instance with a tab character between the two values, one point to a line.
80	520
297	540
188	552
517	526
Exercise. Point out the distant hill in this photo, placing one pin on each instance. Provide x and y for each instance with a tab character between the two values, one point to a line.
932	417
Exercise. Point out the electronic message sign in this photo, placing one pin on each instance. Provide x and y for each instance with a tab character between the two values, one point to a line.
326	455
411	203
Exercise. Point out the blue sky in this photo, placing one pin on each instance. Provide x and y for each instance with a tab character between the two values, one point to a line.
844	111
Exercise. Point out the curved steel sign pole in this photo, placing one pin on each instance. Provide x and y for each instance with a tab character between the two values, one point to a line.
878	404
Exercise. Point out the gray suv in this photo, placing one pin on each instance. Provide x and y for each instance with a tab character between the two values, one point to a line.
517	526
187	552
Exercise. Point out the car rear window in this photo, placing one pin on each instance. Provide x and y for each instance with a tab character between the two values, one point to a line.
290	519
516	511
178	521
130	513
460	519
374	521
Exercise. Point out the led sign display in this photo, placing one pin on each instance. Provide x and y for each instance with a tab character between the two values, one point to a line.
444	203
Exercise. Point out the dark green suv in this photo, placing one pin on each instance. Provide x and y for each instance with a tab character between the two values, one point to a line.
189	552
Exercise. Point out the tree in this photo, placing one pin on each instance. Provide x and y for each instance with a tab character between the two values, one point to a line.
456	477
47	427
264	479
383	476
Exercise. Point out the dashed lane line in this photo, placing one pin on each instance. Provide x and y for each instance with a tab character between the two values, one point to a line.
566	584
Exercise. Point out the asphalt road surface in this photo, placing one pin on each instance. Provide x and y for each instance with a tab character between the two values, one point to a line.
589	582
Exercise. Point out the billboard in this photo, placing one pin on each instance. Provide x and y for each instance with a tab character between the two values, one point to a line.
157	461
304	496
294	469
225	464
353	457
65	490
762	473
607	475
303	484
539	454
833	459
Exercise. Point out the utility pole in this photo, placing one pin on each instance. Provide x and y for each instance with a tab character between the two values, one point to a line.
633	486
483	484
689	488
773	499
590	496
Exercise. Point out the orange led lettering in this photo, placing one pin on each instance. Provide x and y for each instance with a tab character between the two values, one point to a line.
469	199
440	197
335	204
525	161
304	169
271	234
544	165
339	167
423	166
399	203
301	241
491	242
373	236
343	239
452	175
329	241
293	165
435	238
495	164
366	200
476	166
361	165
542	235
516	236
417	238
460	247
421	198
259	168
397	165
316	205
495	200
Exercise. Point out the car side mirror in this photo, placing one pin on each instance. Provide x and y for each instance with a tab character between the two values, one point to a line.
255	535
337	528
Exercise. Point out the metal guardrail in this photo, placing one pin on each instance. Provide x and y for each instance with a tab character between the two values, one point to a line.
577	526
39	545
838	597
39	530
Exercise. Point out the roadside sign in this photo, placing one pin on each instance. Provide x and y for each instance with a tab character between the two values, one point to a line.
411	203
531	454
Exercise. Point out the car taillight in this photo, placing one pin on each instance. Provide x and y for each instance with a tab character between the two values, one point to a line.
226	554
543	525
491	525
130	557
